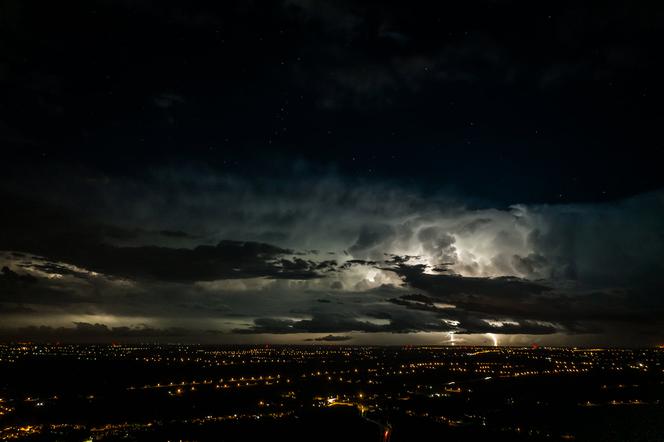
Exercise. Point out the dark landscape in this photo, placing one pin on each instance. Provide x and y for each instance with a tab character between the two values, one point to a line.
234	393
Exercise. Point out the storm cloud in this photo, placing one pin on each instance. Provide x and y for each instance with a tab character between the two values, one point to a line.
345	258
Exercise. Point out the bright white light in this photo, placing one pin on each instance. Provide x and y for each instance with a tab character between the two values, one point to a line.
494	323
494	338
443	305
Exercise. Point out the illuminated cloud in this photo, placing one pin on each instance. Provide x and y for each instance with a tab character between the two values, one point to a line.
346	258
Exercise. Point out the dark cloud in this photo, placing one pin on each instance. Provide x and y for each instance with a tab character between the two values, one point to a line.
18	289
341	323
523	327
478	321
175	234
327	265
416	301
332	323
12	309
297	268
447	287
370	237
9	278
330	338
88	332
514	306
228	259
532	264
56	269
611	244
73	239
357	262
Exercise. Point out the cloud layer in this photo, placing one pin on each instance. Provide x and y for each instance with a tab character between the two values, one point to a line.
319	257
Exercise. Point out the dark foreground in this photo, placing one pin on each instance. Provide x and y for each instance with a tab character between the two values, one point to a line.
175	392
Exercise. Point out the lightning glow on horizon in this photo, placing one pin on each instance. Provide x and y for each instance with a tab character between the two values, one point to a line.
494	338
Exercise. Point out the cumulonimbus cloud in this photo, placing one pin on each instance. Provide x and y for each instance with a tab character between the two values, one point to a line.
527	269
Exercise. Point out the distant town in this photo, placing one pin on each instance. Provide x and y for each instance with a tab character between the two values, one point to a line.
190	392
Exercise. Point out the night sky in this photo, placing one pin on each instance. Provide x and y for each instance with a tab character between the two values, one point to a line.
307	171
